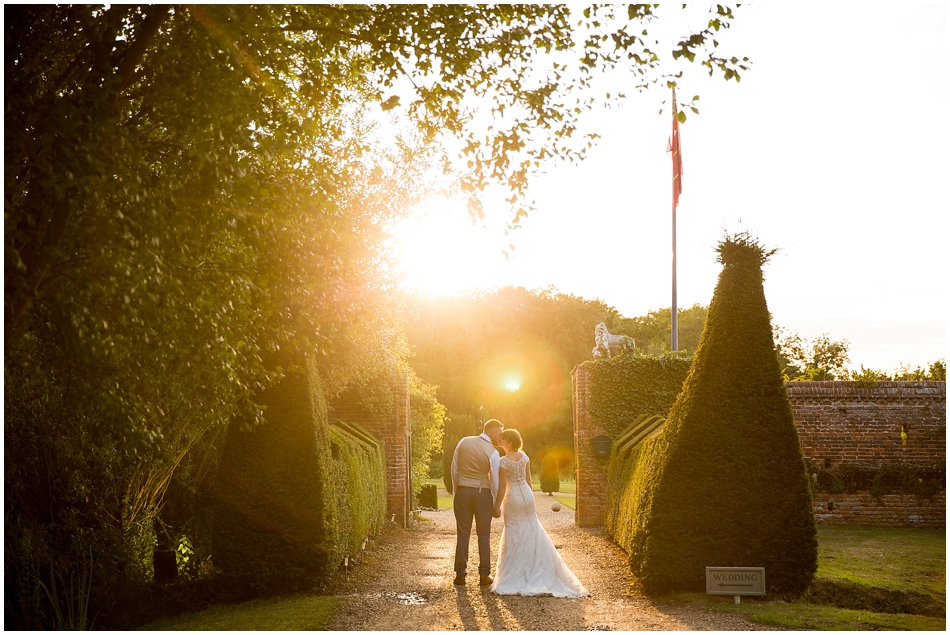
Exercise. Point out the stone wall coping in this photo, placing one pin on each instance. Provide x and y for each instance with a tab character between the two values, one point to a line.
882	389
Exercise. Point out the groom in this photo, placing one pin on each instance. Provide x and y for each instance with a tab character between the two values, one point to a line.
475	483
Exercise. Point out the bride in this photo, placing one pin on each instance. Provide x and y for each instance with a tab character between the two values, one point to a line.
528	562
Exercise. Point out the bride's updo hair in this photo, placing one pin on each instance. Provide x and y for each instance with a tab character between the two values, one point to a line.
513	437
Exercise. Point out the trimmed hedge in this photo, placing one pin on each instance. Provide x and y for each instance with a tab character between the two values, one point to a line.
550	478
624	484
724	482
291	495
359	485
429	496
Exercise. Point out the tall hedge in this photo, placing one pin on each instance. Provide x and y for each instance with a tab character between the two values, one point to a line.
725	483
292	495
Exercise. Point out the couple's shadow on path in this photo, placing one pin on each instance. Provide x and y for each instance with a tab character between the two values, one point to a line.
514	612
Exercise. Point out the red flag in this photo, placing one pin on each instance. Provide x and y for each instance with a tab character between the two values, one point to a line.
674	148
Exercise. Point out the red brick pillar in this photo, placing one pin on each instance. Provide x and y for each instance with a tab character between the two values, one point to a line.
399	467
591	471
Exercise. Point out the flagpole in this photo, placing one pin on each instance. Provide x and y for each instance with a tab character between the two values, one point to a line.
673	313
675	338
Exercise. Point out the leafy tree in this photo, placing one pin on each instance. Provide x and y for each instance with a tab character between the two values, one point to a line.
427	418
820	359
937	371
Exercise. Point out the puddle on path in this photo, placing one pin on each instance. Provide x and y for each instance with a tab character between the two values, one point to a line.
411	598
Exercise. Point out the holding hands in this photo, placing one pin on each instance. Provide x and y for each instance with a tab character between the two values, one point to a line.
496	512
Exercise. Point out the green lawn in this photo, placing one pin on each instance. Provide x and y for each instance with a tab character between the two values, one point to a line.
566	493
297	613
868	579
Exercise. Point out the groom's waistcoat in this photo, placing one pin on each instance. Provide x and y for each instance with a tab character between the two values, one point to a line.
474	462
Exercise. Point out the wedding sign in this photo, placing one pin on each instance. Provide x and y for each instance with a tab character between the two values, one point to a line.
735	580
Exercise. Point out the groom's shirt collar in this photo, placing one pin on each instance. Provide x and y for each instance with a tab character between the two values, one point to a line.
485	436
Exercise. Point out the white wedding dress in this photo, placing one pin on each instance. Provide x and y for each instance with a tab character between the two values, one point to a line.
528	563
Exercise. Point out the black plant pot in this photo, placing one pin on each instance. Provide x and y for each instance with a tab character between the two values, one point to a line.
166	566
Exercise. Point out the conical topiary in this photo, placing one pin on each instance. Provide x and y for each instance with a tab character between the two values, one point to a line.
550	477
726	482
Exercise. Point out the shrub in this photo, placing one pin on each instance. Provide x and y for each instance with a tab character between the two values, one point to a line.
921	481
429	496
724	482
550	478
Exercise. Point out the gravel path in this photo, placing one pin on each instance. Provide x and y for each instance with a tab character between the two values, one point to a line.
405	583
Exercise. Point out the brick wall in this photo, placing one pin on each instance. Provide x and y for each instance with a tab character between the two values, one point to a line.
394	431
838	422
889	510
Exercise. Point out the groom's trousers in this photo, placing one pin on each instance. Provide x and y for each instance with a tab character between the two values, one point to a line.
469	502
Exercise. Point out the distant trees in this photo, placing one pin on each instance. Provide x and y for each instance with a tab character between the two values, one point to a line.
507	354
653	331
936	371
819	359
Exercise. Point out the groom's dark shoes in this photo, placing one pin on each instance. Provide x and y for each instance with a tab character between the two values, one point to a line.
459	580
484	580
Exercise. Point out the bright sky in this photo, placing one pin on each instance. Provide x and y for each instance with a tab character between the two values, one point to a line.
832	148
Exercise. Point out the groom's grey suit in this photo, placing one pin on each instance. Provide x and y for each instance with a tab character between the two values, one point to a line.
475	482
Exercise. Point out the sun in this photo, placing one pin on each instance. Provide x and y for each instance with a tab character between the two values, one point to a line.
443	254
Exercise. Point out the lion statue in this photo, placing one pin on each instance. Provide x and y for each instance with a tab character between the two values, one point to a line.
608	345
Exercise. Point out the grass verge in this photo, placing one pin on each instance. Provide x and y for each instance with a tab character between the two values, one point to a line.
804	615
869	578
297	613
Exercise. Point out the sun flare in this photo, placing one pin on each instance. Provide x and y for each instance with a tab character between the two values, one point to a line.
443	254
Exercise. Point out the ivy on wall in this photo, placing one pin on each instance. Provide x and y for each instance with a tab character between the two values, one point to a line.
923	482
626	387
